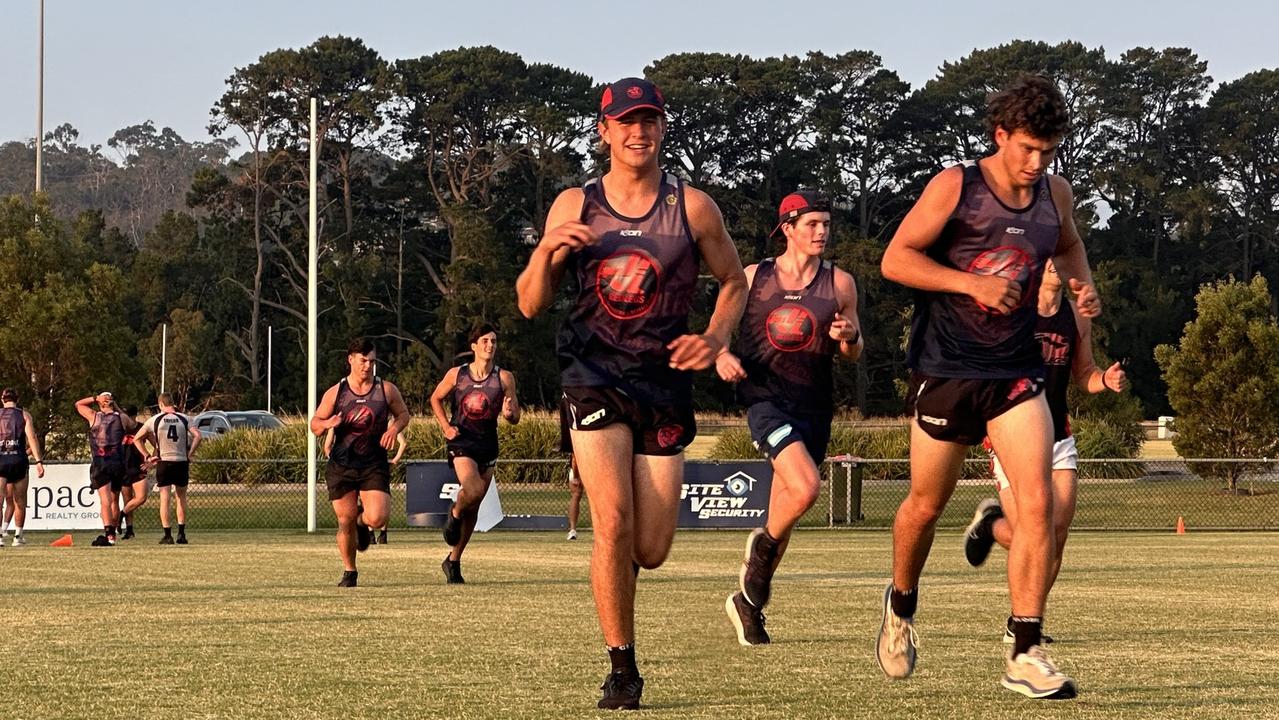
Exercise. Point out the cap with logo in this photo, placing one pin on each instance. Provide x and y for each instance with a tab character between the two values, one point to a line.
798	203
628	95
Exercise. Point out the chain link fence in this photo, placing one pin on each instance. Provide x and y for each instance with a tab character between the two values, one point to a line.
1113	494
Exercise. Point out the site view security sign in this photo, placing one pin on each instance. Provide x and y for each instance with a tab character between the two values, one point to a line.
725	494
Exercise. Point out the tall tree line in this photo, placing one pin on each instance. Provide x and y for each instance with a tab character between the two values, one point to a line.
436	173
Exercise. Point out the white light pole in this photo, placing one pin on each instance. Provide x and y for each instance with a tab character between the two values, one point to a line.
164	354
311	292
40	107
269	336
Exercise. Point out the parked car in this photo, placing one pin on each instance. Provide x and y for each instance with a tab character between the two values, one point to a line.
213	423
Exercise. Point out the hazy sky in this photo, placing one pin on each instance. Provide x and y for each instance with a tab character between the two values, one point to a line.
114	63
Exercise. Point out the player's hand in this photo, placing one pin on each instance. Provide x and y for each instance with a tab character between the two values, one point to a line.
729	367
508	407
40	470
1115	378
693	352
331	421
388	439
450	432
842	329
573	235
996	294
1087	301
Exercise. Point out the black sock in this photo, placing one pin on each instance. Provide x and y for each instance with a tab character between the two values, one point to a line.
109	530
635	568
1027	632
182	529
168	531
904	603
623	658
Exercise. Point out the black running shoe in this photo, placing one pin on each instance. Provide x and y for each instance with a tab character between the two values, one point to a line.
452	571
348	578
452	530
128	533
622	690
979	538
100	541
166	540
381	537
747	620
756	577
182	539
363	536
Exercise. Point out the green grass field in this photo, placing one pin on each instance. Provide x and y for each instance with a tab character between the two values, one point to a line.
250	625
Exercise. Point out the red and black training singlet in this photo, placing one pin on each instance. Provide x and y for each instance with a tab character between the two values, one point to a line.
785	344
364	421
1058	336
13	435
106	434
476	405
952	336
635	290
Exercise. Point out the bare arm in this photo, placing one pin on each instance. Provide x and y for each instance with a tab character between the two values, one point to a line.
84	406
510	397
400	413
535	287
696	352
1084	368
1070	258
328	442
400	446
847	328
193	441
324	417
437	403
33	445
728	365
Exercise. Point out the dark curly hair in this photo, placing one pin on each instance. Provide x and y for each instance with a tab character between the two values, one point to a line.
1032	103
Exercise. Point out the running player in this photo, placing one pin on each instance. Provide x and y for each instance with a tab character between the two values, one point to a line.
801	310
17	441
367	412
631	239
173	440
1065	341
974	247
401	444
133	492
478	391
107	428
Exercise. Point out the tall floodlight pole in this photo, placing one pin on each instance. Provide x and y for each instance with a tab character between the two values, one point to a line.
40	106
311	402
269	336
164	354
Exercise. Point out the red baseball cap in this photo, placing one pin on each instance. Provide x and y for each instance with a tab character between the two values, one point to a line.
798	203
628	95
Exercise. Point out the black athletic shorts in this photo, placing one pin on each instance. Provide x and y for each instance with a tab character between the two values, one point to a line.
484	454
342	480
108	470
773	428
656	428
172	472
14	471
957	409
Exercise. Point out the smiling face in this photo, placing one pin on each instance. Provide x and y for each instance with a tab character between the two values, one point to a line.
485	346
635	139
1023	156
809	233
362	364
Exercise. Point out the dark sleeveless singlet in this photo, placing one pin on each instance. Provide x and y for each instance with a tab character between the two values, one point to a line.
952	336
476	405
634	292
364	421
106	435
785	345
13	435
1058	337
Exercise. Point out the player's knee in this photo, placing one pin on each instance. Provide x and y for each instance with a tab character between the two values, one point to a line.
375	518
922	510
806	488
652	557
612	525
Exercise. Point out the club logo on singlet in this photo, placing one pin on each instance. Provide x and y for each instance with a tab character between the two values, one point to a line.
475	405
790	328
1054	348
359	419
1006	262
628	283
668	435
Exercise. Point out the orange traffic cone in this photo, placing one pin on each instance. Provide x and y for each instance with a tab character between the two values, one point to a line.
64	541
1181	525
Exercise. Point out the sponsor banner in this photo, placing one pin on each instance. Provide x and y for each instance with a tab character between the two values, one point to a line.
726	495
430	488
62	500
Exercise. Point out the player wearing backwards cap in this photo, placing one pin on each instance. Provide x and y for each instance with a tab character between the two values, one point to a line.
479	391
631	238
801	310
17	441
974	247
1065	341
174	441
107	428
367	413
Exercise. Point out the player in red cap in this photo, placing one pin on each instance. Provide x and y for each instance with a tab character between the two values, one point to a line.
800	312
632	239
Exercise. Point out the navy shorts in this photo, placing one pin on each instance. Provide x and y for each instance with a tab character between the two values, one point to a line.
656	428
15	472
957	409
773	428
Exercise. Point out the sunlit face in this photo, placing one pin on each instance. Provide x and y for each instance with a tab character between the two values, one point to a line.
809	233
635	139
1024	156
485	346
363	365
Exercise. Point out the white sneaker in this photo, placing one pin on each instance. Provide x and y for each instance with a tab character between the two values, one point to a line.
19	540
895	648
1032	674
572	534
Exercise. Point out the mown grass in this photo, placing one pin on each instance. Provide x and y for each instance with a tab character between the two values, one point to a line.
241	625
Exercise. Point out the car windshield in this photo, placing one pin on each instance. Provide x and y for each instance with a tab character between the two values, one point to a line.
254	420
